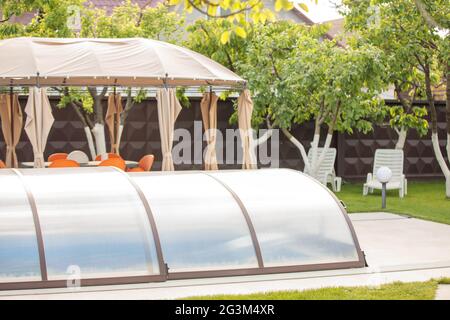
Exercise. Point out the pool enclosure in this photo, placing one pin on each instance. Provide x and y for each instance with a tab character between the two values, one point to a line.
105	226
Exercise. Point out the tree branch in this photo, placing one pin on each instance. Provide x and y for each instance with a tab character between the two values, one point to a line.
141	12
275	70
332	125
80	115
300	146
432	24
128	105
221	16
6	19
230	61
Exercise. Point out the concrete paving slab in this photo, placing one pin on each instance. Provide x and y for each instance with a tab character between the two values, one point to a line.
443	292
402	242
396	248
370	216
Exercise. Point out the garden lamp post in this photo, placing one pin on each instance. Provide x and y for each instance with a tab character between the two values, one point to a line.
383	174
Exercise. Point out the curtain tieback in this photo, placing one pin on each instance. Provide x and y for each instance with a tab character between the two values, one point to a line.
38	156
168	154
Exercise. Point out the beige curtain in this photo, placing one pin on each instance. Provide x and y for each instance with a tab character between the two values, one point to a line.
245	109
112	120
168	110
12	122
39	122
208	106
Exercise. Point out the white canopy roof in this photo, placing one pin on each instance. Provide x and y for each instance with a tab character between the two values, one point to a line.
122	62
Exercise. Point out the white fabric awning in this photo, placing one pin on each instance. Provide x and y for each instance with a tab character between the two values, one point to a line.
122	62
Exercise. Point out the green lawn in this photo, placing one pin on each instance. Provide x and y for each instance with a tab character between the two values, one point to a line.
425	200
393	291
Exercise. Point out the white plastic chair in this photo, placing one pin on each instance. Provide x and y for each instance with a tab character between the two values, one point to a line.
326	173
78	156
393	159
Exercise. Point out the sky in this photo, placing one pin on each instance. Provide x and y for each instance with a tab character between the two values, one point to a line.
323	11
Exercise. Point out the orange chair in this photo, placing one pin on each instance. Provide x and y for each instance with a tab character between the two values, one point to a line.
114	162
63	163
145	164
2	165
110	156
57	156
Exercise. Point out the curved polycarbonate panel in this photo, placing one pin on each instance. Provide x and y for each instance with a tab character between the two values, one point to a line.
200	225
113	227
92	222
19	257
297	221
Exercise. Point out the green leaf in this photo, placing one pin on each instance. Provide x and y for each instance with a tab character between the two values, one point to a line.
304	7
225	37
241	32
278	5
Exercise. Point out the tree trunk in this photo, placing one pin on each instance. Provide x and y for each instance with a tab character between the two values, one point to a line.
99	134
119	136
434	131
124	115
87	129
440	159
99	127
318	162
447	187
448	147
314	149
90	141
299	146
266	136
448	110
401	139
325	148
128	105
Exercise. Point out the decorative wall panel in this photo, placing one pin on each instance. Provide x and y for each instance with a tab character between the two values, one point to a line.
141	136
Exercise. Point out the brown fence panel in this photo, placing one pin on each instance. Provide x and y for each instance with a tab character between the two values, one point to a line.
355	152
141	136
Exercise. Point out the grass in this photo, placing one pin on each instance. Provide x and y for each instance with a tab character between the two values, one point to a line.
392	291
425	200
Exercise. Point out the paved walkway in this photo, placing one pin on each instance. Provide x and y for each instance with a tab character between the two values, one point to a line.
397	248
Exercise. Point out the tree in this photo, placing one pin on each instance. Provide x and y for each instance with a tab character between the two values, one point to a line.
405	77
428	49
296	76
204	36
49	20
238	12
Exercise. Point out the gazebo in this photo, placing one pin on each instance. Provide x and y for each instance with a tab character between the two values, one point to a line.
39	63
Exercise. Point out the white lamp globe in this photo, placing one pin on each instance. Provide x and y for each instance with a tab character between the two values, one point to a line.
384	174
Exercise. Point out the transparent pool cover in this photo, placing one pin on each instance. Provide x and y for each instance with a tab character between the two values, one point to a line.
104	226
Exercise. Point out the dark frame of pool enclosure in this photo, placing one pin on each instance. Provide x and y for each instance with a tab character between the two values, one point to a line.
121	228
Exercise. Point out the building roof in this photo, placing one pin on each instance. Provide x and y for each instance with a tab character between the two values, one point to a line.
107	5
337	26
